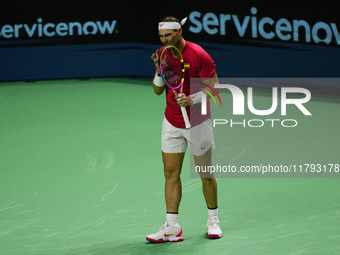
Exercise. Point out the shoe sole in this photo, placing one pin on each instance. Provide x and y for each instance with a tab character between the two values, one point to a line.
214	236
168	239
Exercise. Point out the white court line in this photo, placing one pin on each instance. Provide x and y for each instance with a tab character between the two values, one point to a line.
109	193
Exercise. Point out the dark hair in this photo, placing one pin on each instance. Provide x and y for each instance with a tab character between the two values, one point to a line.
170	19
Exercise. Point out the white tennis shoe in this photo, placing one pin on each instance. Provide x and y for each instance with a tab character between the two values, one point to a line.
166	233
213	228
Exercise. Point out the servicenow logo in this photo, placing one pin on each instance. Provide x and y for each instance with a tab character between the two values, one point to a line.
264	27
40	29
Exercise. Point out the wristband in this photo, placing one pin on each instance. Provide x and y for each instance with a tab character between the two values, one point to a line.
158	81
197	97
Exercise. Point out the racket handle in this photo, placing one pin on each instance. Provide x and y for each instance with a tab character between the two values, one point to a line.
185	117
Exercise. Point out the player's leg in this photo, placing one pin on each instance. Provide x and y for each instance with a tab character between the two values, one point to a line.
201	144
173	150
209	186
171	231
208	180
173	186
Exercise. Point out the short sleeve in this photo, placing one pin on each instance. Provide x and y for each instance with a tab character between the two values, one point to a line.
207	67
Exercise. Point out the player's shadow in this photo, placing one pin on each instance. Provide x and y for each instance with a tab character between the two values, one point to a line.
191	245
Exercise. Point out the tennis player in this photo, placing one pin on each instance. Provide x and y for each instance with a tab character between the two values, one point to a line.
175	138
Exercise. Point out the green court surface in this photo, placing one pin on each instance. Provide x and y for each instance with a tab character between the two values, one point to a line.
81	173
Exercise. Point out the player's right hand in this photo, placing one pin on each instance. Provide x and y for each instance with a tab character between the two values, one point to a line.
155	58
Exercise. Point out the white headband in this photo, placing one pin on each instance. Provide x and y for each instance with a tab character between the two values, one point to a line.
171	25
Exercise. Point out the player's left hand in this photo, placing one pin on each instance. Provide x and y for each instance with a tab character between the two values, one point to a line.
184	100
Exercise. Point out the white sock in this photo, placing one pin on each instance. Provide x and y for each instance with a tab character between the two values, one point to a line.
172	218
213	212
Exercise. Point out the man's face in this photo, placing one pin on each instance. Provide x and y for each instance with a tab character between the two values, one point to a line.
169	36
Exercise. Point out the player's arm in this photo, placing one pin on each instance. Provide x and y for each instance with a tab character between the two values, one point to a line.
157	82
212	82
158	88
196	98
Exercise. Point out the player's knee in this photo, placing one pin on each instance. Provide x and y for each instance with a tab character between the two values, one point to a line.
171	172
208	178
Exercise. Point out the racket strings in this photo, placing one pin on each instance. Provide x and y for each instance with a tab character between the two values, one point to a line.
172	70
171	67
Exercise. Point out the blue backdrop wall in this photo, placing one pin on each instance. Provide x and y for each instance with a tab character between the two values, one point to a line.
83	39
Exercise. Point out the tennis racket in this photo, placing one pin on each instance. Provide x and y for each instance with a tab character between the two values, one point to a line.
171	69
